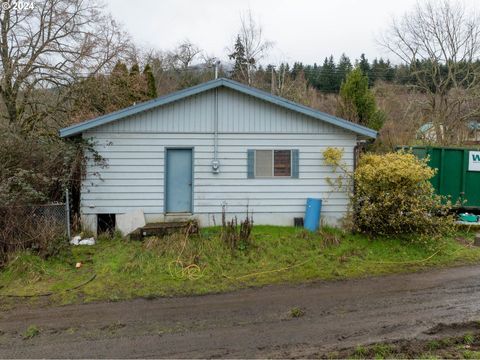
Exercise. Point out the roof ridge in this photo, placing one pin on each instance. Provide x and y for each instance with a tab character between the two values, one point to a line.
209	85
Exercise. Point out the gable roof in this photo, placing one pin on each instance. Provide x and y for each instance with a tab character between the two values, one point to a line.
213	84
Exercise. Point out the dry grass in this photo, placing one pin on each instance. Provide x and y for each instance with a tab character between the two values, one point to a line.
23	228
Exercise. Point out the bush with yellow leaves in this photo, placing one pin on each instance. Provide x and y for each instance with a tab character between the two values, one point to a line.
393	196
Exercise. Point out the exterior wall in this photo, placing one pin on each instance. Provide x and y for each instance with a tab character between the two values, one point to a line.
134	150
237	113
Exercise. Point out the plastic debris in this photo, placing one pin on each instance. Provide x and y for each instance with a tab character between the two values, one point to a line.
75	240
78	265
466	217
89	241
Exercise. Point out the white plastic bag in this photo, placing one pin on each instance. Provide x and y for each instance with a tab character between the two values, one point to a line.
75	240
89	241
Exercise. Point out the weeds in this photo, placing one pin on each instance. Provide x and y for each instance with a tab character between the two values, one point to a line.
468	339
329	238
234	236
304	234
434	345
469	354
187	252
382	350
296	312
360	351
31	332
26	227
446	342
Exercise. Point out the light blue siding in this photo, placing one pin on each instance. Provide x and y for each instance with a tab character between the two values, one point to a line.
135	151
191	115
252	95
135	179
237	113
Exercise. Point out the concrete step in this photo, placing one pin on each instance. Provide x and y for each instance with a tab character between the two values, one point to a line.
166	228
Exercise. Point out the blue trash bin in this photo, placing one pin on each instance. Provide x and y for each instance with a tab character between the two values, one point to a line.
312	214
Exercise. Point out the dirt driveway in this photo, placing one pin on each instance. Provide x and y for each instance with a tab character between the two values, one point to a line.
251	323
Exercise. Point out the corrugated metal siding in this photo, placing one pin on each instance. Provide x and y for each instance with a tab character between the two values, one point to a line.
193	114
242	113
237	113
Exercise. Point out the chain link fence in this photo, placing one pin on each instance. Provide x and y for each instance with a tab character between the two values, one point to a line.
40	227
54	213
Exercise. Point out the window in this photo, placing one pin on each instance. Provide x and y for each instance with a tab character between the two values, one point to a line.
273	163
282	163
263	163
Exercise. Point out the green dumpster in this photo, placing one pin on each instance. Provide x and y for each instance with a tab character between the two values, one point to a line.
458	172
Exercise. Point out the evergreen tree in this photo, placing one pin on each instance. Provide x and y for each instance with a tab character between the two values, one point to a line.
403	75
151	87
343	68
382	70
357	102
311	74
134	70
297	69
240	67
136	84
327	74
120	69
119	82
364	65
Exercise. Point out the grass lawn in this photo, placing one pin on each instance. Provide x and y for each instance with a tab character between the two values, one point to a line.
203	264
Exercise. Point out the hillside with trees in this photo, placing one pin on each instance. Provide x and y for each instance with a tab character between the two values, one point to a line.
67	61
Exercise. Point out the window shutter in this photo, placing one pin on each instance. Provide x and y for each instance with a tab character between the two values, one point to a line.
250	163
295	163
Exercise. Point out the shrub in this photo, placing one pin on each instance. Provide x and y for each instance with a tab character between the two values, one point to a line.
393	196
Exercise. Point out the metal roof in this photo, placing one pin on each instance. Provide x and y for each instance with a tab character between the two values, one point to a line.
213	84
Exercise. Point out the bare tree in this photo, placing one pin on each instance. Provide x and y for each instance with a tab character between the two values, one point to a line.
295	88
183	55
47	47
254	46
440	42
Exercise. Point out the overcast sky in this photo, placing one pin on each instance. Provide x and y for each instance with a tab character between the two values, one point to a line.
302	30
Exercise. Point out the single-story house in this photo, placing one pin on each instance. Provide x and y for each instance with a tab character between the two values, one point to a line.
217	144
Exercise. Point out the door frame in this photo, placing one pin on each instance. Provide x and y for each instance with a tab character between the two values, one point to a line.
165	166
